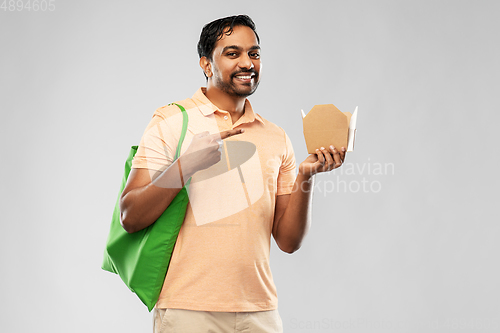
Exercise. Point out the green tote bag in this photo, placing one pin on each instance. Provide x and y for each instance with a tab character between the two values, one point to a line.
141	258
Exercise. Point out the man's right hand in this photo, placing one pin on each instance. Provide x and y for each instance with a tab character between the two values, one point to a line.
204	151
144	199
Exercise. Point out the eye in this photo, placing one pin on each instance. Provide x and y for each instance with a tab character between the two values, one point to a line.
255	55
231	54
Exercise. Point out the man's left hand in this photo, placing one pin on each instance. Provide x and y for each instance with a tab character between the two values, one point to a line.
324	160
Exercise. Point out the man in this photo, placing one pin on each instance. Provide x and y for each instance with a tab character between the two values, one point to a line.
219	279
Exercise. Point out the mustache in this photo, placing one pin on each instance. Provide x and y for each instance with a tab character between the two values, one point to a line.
245	71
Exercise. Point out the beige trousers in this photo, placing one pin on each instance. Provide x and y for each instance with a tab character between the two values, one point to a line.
188	321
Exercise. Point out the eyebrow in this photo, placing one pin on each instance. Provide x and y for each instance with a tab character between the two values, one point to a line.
236	47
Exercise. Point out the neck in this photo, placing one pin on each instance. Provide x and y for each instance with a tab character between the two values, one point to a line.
233	104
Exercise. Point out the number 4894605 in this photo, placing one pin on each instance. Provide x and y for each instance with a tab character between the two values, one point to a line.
29	5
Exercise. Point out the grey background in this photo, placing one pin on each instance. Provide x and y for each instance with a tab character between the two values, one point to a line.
416	253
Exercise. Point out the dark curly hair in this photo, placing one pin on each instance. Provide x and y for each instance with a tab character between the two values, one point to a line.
214	31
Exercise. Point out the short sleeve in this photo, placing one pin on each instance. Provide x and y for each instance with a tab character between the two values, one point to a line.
287	174
156	150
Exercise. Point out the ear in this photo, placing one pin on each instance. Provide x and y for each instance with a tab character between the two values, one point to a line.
206	66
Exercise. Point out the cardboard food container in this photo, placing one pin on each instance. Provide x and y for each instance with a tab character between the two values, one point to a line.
326	125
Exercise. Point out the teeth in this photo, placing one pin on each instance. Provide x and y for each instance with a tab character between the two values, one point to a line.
244	77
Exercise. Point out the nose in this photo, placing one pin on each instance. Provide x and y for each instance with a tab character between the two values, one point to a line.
245	62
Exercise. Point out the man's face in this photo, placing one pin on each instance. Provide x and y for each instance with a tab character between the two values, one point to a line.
236	63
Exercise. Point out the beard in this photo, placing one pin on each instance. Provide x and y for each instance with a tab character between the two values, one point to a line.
230	88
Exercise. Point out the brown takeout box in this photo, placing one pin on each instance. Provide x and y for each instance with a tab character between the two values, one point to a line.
326	125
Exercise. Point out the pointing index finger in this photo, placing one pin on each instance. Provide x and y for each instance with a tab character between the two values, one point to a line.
225	134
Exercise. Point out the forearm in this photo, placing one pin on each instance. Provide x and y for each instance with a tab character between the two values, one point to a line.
142	206
296	219
291	227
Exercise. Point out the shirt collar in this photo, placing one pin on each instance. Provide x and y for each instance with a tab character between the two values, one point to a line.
207	108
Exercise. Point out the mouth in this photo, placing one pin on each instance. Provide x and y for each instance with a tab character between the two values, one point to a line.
245	77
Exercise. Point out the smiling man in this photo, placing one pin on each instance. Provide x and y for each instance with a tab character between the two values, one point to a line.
243	190
232	67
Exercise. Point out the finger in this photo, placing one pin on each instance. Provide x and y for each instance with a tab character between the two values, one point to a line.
216	142
342	154
329	160
321	157
336	157
202	134
228	133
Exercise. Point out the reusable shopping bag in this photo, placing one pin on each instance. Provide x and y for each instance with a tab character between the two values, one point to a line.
141	259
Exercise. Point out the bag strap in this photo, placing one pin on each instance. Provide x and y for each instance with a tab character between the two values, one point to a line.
183	134
184	129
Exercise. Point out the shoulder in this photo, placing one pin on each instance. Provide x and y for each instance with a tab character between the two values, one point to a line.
172	109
